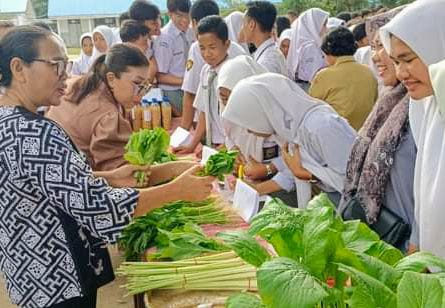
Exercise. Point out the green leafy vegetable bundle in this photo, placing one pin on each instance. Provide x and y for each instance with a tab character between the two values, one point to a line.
220	164
147	147
315	246
184	242
141	233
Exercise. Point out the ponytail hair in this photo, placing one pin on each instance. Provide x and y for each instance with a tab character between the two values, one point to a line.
117	60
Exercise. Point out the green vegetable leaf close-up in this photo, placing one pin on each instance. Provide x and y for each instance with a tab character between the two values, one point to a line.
367	291
419	291
220	164
147	147
245	246
285	283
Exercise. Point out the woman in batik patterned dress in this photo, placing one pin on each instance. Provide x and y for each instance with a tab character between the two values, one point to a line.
56	214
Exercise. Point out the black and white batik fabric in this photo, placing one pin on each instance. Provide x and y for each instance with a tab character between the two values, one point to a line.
43	180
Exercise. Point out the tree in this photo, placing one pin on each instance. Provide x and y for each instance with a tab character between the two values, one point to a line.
40	8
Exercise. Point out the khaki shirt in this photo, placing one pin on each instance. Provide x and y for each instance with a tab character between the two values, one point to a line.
349	87
97	126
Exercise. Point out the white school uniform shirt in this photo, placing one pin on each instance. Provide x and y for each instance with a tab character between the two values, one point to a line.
169	52
216	108
195	63
270	56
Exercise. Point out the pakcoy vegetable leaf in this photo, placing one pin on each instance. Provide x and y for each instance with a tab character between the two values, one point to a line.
368	291
146	147
184	242
420	261
141	233
244	300
419	291
281	226
220	164
285	283
245	246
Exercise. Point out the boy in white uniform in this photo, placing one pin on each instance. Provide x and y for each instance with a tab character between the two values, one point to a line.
195	62
214	44
171	51
257	29
149	15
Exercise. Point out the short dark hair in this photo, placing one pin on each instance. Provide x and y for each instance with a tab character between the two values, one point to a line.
142	10
339	42
203	8
359	32
179	6
346	16
263	12
117	60
21	42
123	17
131	30
214	24
43	25
283	23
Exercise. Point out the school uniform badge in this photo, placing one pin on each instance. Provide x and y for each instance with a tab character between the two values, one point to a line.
189	64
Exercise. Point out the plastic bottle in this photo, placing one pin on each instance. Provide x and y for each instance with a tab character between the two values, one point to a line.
146	114
155	109
166	110
136	113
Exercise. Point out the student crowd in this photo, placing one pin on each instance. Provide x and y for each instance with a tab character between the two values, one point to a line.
353	106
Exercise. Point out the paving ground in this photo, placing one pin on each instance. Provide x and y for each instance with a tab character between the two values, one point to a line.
110	296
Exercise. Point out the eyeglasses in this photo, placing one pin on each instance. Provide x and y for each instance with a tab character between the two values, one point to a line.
59	64
141	89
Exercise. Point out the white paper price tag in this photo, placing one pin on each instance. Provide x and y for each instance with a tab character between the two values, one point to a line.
180	137
206	153
246	200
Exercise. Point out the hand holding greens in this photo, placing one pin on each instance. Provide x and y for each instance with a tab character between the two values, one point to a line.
220	164
146	147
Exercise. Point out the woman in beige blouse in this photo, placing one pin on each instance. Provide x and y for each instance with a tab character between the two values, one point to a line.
93	110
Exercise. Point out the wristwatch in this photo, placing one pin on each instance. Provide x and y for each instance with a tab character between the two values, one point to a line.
268	170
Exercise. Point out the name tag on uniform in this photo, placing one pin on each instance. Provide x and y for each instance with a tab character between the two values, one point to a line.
270	153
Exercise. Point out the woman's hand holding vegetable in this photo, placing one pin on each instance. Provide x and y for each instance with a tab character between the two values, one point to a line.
191	187
124	176
293	162
167	171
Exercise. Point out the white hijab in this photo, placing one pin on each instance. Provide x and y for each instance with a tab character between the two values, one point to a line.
234	23
306	30
232	72
269	104
274	105
108	35
285	35
427	40
334	22
83	62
